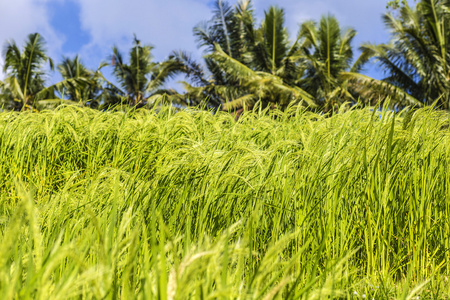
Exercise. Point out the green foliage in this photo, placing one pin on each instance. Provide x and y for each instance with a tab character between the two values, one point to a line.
80	83
133	77
262	66
80	86
293	205
24	70
258	86
275	36
250	64
270	69
141	78
327	55
220	29
416	60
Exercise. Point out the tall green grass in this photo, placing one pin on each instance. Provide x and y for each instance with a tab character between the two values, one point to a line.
192	205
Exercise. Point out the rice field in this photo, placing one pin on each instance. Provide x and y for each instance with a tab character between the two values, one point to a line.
193	205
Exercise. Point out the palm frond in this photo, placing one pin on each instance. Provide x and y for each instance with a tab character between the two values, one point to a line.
373	89
364	57
244	101
237	70
26	67
188	66
276	38
308	31
15	88
221	29
162	72
245	15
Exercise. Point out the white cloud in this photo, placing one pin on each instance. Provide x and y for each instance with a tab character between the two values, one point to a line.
18	18
165	24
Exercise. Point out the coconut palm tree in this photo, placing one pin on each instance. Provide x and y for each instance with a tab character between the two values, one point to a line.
271	43
327	52
417	59
141	78
228	31
242	75
234	29
222	29
259	86
24	70
79	85
201	90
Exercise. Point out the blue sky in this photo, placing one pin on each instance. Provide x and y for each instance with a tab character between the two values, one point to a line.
91	27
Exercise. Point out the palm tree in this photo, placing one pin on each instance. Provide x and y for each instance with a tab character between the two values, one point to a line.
327	53
24	70
222	29
79	85
259	86
266	48
228	31
267	67
202	90
271	43
417	59
141	78
247	64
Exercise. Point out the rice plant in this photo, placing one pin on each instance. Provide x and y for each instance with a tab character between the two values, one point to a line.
193	205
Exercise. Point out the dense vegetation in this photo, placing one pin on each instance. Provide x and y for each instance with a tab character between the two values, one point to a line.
285	199
247	62
195	205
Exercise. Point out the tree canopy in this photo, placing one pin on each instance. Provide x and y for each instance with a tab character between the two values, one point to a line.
248	62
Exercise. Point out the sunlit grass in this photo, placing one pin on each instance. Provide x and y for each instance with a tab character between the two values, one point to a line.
194	205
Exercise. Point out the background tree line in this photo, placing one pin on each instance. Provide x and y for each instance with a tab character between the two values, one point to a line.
246	62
